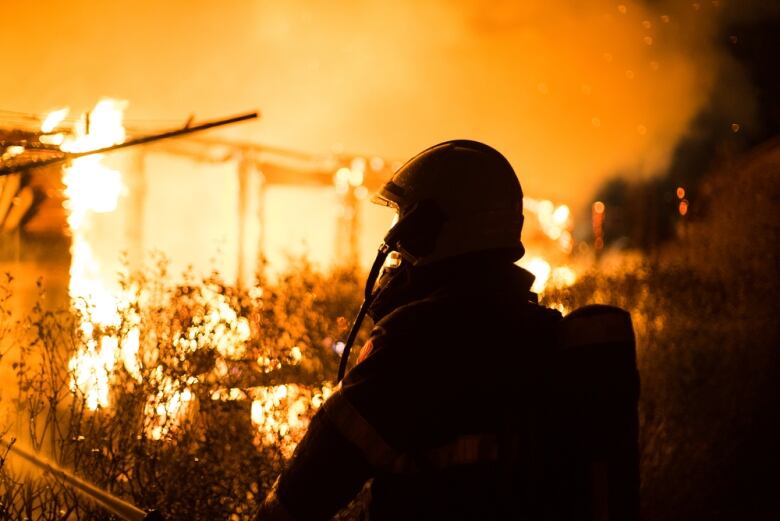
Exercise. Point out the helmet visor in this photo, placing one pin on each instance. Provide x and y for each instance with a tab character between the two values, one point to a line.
381	200
389	195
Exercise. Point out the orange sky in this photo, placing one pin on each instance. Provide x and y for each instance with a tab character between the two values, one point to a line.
571	93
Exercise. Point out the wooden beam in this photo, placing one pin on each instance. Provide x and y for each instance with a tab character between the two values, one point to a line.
10	187
19	207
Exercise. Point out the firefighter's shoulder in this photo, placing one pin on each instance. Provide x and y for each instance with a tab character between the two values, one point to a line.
406	317
399	330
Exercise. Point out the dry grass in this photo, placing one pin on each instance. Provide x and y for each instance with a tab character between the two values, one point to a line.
708	340
204	461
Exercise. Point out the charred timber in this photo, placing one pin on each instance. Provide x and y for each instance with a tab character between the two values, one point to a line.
67	156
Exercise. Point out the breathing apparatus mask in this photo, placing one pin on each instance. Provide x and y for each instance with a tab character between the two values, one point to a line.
391	265
411	237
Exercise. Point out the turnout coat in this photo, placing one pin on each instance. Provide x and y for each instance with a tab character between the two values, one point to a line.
443	412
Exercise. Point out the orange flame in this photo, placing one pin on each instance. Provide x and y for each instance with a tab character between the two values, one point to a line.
91	187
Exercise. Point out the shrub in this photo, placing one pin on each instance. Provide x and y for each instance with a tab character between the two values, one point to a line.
707	347
219	382
189	401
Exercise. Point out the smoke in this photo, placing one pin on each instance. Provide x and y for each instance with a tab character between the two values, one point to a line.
571	92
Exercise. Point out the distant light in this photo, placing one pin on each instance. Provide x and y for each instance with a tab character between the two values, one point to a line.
563	276
338	347
735	127
358	164
648	40
696	6
540	268
665	18
647	24
683	207
598	207
356	177
377	163
561	215
341	179
566	241
680	192
622	9
630	74
14	150
545	207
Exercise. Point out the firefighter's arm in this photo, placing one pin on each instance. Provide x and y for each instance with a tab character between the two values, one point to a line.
351	438
324	473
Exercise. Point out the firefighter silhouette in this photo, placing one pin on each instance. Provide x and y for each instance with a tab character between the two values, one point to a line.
452	410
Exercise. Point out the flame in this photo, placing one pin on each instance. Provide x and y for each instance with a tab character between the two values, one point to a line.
165	410
554	221
53	119
282	413
90	368
541	270
91	187
548	277
219	326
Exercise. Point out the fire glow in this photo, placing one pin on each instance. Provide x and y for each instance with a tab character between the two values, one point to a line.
91	188
278	412
281	412
555	223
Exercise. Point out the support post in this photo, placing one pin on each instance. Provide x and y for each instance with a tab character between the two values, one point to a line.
137	188
245	168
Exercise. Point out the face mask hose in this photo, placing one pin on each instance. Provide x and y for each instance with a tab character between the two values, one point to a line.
368	297
414	234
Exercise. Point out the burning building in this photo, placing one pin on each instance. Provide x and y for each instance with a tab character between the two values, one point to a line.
205	204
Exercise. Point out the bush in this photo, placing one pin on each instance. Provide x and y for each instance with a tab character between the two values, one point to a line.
189	401
707	349
203	358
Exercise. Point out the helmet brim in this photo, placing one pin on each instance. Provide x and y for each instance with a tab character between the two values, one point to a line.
383	198
390	195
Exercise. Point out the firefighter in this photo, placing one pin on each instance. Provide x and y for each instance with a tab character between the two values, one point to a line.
441	413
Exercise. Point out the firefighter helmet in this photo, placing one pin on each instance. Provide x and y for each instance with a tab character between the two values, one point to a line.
476	191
